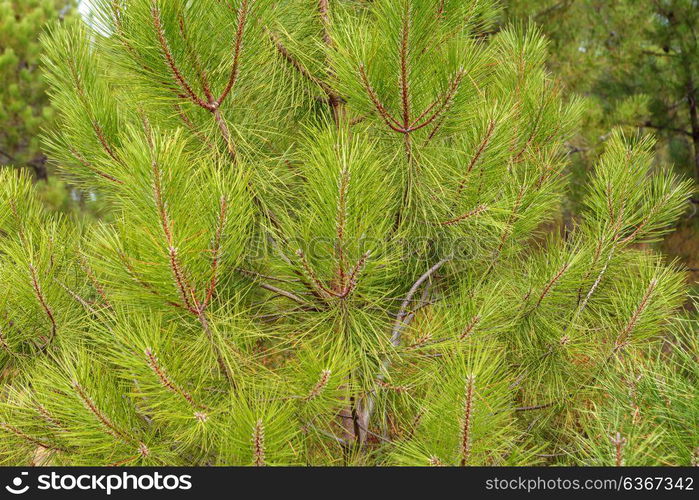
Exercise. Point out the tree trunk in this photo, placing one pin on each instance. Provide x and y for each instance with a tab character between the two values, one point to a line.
38	164
694	122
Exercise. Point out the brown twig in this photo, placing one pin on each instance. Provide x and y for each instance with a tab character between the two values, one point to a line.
472	213
170	60
479	153
258	444
165	380
623	335
216	252
468	421
42	301
387	117
110	427
243	12
552	282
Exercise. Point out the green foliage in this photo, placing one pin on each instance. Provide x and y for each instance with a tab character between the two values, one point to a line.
24	106
651	404
325	247
637	63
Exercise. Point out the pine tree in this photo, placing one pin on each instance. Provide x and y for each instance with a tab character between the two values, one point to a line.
636	61
325	246
24	105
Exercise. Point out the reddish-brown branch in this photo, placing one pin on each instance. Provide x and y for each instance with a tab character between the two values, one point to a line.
258	444
103	141
476	211
95	282
181	282
237	49
468	420
48	417
623	336
645	221
319	386
165	380
440	9
216	252
354	274
469	328
404	70
322	289
446	102
97	129
435	129
196	62
618	443
101	417
34	441
553	281
170	60
390	121
341	222
147	286
323	11
395	388
297	65
42	301
160	203
90	167
479	152
535	129
3	342
187	293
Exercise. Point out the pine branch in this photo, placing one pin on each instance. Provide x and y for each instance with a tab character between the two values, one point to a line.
243	12
258	444
296	64
91	167
400	324
170	60
471	213
167	382
216	253
621	340
479	152
552	282
44	305
445	102
403	56
283	293
469	328
467	421
388	119
319	386
108	425
32	440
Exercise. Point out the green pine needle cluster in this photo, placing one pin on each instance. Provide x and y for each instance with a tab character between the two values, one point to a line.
326	246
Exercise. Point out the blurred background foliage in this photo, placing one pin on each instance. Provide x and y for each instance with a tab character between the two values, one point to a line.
25	107
635	63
